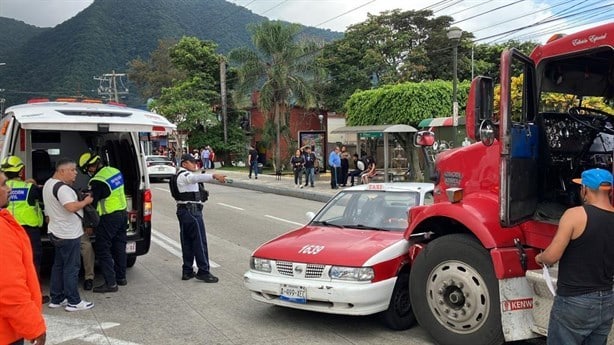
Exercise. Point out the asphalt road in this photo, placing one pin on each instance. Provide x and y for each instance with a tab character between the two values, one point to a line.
157	307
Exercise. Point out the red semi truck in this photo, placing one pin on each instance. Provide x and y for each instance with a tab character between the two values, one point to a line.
499	200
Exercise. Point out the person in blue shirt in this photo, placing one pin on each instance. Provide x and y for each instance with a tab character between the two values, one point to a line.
334	161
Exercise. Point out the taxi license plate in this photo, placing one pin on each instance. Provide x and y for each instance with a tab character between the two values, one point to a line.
293	293
131	247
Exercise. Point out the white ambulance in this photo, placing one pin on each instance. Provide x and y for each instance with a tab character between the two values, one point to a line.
42	132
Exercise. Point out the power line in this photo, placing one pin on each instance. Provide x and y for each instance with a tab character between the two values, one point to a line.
489	11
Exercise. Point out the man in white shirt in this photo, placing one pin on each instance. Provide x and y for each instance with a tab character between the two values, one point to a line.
65	231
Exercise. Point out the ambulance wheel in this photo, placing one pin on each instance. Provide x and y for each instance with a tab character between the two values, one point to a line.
399	315
454	292
130	261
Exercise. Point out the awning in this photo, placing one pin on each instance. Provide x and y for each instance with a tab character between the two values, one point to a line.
375	128
441	122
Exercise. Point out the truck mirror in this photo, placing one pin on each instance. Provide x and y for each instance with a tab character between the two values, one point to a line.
424	138
487	132
479	105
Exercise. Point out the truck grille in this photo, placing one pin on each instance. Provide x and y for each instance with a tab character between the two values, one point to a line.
311	270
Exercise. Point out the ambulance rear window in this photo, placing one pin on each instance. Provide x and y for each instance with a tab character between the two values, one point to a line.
94	113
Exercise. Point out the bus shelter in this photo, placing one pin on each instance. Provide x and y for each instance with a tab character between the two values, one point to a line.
383	131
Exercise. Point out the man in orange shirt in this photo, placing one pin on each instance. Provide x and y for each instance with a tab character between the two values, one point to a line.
20	293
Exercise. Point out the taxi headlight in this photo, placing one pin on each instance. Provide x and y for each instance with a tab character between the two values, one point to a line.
258	264
351	273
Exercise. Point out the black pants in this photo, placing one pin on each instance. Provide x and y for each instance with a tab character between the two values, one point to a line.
342	178
355	173
193	238
110	246
37	247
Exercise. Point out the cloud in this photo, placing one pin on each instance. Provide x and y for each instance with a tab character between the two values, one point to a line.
42	13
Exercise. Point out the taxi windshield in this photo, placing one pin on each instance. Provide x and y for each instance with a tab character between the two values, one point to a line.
370	210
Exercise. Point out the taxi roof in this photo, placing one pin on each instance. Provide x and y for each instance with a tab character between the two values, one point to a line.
394	187
76	116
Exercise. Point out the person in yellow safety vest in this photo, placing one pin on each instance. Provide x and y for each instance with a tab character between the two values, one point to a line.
107	188
25	204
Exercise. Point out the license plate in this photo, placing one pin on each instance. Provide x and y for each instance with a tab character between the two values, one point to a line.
131	247
293	293
161	168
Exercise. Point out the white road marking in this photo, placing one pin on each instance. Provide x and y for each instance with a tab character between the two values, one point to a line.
230	206
162	189
62	329
283	220
172	246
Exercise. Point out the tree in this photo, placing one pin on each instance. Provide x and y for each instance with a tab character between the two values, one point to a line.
157	72
389	48
282	70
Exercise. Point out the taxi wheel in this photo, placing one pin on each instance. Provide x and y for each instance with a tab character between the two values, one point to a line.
454	292
399	315
130	261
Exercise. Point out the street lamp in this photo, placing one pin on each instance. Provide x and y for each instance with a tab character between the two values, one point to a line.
454	35
321	118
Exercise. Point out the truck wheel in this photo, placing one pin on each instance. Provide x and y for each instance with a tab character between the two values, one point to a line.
454	292
130	261
399	315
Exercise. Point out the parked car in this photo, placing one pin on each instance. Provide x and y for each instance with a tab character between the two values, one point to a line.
351	258
160	167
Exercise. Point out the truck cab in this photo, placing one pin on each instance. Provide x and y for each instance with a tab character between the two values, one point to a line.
42	132
499	200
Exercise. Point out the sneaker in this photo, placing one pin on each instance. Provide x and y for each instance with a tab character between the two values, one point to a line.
83	305
122	282
58	305
301	187
187	276
207	277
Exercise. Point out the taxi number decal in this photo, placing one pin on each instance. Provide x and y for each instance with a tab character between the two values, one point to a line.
311	249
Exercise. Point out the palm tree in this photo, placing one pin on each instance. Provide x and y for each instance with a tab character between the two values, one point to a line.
282	69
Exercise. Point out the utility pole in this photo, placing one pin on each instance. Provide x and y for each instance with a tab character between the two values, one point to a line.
108	85
223	95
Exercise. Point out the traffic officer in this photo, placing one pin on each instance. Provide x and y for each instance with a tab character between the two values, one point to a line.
107	188
190	216
25	204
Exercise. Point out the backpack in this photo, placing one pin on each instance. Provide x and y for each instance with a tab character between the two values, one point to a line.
172	186
90	218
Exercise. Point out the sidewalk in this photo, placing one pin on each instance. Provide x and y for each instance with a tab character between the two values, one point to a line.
270	184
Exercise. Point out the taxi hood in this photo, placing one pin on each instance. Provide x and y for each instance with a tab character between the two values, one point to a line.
328	245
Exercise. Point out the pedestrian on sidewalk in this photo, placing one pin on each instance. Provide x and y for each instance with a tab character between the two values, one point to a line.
298	164
252	162
359	166
309	165
334	161
369	172
342	179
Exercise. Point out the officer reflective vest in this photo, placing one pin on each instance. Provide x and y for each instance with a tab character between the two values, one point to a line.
114	179
24	213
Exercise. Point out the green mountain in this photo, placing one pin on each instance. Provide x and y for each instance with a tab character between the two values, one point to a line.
15	34
63	60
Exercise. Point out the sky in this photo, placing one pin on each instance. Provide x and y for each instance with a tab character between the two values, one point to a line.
488	20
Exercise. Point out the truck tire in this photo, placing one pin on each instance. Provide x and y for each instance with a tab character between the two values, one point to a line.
130	261
454	292
399	315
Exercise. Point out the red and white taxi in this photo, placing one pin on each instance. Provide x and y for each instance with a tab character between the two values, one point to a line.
351	258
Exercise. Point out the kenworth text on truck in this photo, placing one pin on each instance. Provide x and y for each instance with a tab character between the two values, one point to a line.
499	200
41	132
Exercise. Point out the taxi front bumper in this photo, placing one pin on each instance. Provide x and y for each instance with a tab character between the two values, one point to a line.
326	296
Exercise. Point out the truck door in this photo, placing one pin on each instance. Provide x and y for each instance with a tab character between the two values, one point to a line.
519	138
